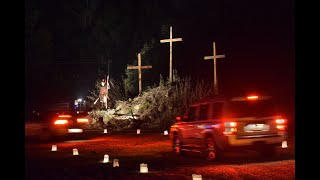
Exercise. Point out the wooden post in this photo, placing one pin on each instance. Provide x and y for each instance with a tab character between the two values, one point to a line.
139	67
214	57
107	95
170	40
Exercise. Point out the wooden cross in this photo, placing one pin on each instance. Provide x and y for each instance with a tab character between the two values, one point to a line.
139	67
214	57
170	40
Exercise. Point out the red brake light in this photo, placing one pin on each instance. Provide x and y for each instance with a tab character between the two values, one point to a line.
281	124
83	120
230	128
66	116
178	118
281	127
280	121
252	97
61	121
230	124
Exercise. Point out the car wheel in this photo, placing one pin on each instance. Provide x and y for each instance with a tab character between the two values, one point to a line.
177	145
212	152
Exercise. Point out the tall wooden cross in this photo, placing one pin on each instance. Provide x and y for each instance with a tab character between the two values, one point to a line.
214	57
139	67
170	40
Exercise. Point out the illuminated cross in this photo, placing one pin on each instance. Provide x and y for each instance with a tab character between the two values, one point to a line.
139	67
214	57
170	40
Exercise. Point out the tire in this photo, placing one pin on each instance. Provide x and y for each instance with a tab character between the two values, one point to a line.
212	151
177	145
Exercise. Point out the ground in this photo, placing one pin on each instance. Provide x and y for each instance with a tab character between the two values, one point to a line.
153	149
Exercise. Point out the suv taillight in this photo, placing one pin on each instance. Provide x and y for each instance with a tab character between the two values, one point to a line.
61	122
230	128
83	120
281	124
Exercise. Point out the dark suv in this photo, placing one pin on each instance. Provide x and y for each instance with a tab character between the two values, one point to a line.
60	120
221	124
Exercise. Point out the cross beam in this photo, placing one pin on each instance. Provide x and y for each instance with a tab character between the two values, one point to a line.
139	67
215	57
170	41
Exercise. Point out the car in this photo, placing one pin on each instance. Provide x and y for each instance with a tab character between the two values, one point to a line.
220	124
60	121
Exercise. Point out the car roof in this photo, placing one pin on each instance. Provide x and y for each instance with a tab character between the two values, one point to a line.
226	98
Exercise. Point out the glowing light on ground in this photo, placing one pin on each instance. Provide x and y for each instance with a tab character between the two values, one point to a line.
196	177
54	148
143	168
284	144
115	162
106	158
75	152
75	130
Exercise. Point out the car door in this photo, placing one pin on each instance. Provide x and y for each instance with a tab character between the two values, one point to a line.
198	127
187	125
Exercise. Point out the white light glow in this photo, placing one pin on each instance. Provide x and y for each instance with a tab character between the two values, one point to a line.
165	132
75	152
138	131
75	131
284	144
106	158
143	168
54	148
115	162
105	131
280	121
83	120
61	121
196	177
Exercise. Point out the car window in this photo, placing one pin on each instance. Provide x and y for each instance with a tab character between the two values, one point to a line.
192	113
203	115
217	110
251	108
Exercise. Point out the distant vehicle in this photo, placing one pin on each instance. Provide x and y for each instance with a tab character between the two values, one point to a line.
61	120
221	124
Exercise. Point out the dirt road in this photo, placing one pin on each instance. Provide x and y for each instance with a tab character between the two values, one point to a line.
153	149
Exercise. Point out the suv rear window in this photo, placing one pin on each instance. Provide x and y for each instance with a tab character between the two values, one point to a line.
249	108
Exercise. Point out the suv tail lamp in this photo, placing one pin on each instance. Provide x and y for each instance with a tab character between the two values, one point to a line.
252	97
281	124
61	122
178	118
83	120
230	128
64	116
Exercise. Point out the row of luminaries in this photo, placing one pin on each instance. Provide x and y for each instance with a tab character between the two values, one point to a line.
143	167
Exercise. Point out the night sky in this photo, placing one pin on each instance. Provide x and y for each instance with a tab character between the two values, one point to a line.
257	38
